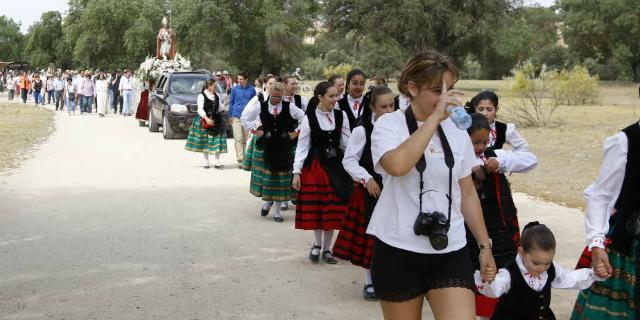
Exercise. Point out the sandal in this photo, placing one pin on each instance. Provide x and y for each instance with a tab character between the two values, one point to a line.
327	256
314	257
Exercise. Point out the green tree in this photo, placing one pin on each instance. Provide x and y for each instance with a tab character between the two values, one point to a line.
10	40
417	25
604	34
43	40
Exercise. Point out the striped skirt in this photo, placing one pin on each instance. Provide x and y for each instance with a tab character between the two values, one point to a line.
353	243
268	185
617	297
318	206
247	161
201	140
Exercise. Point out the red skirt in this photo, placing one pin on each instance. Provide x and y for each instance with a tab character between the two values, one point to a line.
353	243
318	206
142	113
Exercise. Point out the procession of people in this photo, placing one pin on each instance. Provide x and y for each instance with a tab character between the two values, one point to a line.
422	205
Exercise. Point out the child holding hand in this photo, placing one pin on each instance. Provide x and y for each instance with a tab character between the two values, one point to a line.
524	285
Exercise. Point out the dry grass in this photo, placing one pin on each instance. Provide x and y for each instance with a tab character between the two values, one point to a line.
569	154
21	129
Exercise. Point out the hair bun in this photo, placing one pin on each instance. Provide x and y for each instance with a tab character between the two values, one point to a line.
531	224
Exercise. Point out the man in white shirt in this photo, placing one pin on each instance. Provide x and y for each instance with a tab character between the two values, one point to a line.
126	91
58	86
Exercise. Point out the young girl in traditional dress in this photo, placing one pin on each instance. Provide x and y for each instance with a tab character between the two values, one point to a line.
486	103
499	210
524	284
353	101
274	124
323	184
247	162
353	243
207	133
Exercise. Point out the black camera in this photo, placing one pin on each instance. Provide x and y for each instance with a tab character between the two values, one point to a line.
434	225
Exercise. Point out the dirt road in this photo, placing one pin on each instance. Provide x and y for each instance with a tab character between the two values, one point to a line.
109	221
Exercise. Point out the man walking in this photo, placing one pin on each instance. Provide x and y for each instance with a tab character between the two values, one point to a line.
126	91
88	91
58	86
240	96
115	87
11	86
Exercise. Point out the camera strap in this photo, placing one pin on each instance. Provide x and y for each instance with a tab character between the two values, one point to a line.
421	166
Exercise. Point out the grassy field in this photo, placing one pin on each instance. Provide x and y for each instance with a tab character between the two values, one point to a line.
569	154
21	128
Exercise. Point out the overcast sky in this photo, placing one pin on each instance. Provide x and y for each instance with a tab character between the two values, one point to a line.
27	12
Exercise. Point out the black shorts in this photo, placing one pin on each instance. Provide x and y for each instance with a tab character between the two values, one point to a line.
400	275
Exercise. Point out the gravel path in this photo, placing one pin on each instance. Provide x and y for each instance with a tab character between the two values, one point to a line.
109	221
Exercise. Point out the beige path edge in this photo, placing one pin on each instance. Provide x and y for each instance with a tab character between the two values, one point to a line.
109	221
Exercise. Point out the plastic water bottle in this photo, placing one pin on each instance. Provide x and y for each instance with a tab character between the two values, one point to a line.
460	117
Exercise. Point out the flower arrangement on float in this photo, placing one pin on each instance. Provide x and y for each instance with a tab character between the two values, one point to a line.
152	68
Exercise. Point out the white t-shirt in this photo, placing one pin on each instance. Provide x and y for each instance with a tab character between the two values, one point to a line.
398	206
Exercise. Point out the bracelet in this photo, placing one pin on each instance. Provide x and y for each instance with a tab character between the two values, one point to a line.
486	245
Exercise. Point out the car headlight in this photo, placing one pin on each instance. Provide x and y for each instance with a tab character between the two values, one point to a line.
178	108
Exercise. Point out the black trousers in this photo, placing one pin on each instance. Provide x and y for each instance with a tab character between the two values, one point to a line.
117	100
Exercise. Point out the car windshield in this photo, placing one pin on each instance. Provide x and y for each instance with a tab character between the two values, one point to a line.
187	83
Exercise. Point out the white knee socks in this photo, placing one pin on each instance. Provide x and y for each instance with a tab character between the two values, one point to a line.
367	277
218	159
328	237
206	158
278	207
318	241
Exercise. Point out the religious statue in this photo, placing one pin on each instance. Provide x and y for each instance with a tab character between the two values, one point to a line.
166	41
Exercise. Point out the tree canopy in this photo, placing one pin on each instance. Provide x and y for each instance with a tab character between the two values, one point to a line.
487	38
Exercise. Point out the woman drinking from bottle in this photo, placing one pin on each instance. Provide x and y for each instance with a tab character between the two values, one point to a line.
425	162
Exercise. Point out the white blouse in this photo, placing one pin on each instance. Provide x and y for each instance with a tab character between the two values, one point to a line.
398	205
248	119
352	101
520	159
565	279
327	122
200	102
251	117
353	153
602	195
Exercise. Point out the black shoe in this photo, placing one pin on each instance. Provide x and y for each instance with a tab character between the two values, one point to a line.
278	219
284	206
264	212
206	167
314	257
219	166
328	257
369	295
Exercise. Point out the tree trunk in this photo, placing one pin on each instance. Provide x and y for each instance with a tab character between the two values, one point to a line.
636	71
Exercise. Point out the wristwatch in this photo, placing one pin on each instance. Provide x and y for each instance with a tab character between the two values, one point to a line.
486	245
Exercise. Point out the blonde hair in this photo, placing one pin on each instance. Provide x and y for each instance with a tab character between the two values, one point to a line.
277	87
427	67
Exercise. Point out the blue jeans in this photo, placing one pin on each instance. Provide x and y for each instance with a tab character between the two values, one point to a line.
50	94
71	105
127	100
36	96
86	103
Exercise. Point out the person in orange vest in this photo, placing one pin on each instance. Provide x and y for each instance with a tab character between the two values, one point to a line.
24	86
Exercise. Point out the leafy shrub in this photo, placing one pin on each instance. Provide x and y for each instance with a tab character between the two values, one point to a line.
341	69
